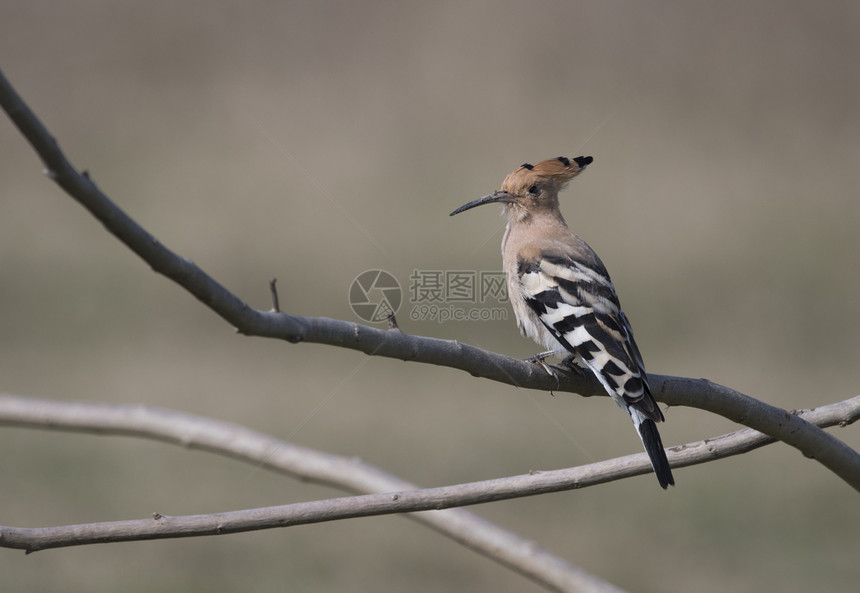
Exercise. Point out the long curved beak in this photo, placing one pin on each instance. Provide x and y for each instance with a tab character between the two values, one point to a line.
493	198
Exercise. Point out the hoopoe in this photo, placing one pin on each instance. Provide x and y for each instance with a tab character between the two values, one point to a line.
563	298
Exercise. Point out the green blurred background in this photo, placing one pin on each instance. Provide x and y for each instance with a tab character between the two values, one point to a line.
314	140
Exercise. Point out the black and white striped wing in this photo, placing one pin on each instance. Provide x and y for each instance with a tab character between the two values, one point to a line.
576	302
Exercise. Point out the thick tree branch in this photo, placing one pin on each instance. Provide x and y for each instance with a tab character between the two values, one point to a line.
398	496
775	422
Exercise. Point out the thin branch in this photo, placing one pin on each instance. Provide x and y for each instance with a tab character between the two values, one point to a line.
775	422
260	450
398	497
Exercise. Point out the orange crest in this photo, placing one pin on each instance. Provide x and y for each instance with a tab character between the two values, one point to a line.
551	173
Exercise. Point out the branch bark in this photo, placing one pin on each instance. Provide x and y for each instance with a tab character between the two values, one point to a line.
775	422
389	494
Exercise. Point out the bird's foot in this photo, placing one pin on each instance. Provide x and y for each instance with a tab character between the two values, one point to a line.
570	362
540	359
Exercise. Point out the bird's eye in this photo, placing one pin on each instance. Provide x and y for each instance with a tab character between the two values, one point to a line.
533	190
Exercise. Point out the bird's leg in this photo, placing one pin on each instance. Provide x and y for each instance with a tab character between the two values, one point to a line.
569	362
540	359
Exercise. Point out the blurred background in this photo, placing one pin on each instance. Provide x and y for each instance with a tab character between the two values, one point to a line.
311	141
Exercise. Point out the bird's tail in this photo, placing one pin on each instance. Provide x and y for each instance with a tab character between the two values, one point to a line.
653	447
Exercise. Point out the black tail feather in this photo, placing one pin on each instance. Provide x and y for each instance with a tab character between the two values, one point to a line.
654	447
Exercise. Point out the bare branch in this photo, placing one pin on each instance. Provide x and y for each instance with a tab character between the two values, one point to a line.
260	450
775	422
398	496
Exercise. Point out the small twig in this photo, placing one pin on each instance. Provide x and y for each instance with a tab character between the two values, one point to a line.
392	322
276	307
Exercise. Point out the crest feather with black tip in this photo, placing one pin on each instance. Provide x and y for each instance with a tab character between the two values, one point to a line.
549	174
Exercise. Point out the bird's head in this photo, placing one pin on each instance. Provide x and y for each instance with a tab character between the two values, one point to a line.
533	188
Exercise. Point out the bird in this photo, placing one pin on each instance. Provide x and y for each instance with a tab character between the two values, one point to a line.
563	298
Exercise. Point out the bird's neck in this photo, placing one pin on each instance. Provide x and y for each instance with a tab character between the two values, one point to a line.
533	225
548	216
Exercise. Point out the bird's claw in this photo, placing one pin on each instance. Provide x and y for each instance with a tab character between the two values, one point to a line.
540	359
570	362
